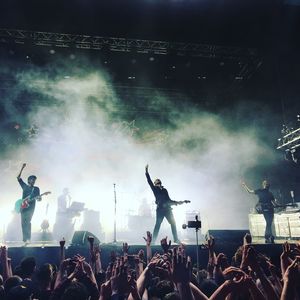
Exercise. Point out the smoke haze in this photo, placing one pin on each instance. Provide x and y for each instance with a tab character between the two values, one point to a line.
86	139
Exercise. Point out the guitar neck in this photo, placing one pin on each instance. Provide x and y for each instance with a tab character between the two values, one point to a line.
28	199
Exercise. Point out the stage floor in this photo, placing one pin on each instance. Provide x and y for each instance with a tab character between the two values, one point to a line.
49	251
255	240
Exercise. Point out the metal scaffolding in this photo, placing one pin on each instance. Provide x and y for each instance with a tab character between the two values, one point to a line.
65	40
289	141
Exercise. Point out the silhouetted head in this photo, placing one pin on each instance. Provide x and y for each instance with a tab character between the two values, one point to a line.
45	273
157	182
28	266
65	191
31	180
265	184
75	291
19	292
12	282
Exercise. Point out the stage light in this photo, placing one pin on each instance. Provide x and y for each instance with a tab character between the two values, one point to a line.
52	51
290	141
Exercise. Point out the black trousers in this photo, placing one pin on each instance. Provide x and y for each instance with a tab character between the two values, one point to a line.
26	216
269	216
162	213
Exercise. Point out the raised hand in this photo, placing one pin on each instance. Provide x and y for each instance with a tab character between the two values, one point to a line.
296	250
3	253
286	250
165	244
237	280
62	243
181	268
222	261
91	239
291	273
250	258
105	291
139	258
125	248
97	252
247	239
233	272
148	240
119	279
211	243
20	173
146	168
113	256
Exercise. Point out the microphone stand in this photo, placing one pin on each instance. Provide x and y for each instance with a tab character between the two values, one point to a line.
115	215
195	224
197	249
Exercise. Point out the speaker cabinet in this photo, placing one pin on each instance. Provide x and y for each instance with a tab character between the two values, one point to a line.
80	238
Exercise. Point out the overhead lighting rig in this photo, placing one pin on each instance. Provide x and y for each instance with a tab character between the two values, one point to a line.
290	141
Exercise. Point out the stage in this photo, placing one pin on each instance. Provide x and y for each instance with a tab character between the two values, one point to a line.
50	251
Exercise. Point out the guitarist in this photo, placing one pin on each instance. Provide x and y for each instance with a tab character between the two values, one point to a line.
27	213
163	208
266	201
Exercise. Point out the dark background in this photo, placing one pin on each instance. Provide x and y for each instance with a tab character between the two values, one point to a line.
270	27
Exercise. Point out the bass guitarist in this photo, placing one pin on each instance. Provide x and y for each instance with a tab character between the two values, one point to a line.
265	205
33	192
163	208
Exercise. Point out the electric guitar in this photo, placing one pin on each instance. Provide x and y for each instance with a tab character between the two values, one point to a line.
171	203
25	203
262	207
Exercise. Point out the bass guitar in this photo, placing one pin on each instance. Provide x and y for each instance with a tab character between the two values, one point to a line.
25	203
172	203
261	207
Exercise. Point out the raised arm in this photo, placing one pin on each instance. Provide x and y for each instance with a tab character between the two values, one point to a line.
19	175
250	191
148	177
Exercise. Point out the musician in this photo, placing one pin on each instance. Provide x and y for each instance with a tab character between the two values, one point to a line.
64	225
62	201
266	201
26	213
163	208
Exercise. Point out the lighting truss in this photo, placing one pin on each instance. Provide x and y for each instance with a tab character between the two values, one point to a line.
290	141
65	40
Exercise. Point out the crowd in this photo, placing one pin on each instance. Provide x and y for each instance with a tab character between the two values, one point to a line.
168	275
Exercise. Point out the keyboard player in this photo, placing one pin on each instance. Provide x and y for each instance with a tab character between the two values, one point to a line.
64	223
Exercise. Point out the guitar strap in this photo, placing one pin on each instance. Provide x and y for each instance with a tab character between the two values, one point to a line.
31	192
